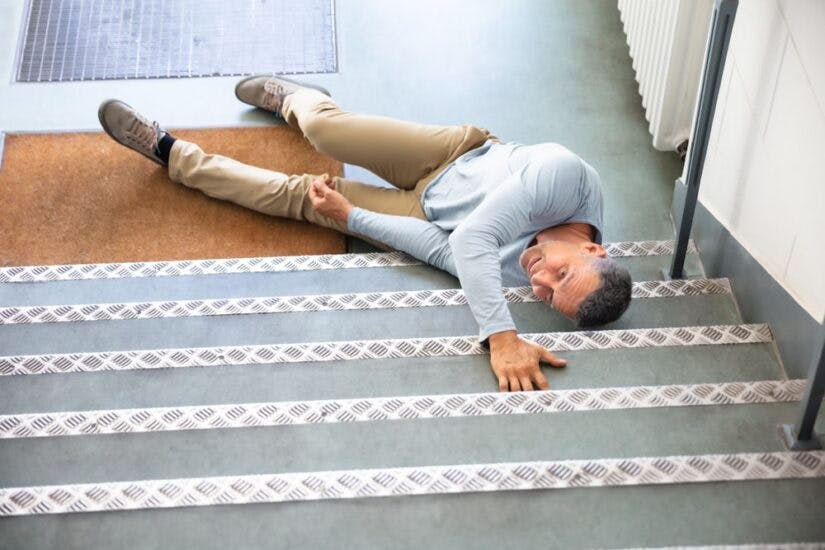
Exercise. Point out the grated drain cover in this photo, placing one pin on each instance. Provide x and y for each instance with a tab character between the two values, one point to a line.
64	40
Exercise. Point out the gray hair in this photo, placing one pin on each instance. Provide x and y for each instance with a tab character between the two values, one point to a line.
610	300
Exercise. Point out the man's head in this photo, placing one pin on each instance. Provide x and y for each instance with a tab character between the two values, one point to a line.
578	280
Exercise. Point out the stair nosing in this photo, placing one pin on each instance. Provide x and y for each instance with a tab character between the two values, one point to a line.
265	264
407	481
352	301
391	408
312	352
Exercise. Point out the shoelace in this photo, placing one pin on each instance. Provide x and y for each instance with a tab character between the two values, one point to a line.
143	134
275	94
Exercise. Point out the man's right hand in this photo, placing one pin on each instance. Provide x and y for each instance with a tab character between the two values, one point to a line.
515	362
327	201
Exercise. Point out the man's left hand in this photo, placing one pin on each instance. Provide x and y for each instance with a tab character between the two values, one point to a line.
515	362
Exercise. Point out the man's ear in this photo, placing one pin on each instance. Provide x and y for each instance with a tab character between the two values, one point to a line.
593	249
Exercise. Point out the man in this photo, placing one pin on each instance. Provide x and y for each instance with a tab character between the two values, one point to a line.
493	214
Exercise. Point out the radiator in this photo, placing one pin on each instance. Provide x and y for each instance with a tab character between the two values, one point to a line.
667	41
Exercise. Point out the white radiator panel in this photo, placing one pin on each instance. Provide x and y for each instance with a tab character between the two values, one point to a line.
667	42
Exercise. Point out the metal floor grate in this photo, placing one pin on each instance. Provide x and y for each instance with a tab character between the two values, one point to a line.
65	40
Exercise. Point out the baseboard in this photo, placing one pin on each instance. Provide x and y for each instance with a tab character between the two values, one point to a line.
760	297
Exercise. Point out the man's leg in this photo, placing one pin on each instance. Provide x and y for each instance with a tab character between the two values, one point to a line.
275	193
403	153
266	191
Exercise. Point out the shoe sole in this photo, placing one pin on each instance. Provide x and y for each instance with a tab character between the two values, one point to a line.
106	129
302	84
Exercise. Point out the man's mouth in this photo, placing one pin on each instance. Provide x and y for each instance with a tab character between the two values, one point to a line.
529	267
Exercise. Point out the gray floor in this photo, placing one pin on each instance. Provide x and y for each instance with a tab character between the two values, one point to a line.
531	72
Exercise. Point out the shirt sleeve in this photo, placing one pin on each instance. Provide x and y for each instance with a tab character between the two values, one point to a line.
527	201
420	239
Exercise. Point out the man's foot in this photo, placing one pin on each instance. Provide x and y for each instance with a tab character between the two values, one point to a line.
268	92
130	128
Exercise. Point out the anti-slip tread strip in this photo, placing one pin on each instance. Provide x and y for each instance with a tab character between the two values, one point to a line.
272	264
376	349
424	480
771	546
324	302
372	409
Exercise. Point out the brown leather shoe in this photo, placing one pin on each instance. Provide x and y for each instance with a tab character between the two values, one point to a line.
131	129
268	92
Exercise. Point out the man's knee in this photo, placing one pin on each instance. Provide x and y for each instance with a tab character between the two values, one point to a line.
316	128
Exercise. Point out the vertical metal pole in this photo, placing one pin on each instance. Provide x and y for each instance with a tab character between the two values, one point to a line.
803	437
724	12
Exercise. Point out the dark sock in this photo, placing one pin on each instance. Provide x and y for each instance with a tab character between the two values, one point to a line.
165	147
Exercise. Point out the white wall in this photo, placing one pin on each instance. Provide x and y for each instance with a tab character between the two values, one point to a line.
764	176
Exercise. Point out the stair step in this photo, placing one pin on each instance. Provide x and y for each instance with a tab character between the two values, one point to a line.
375	349
371	324
331	411
576	435
655	515
318	302
422	480
245	285
367	378
270	264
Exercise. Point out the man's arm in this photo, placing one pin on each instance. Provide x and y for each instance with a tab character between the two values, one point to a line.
514	361
520	204
419	238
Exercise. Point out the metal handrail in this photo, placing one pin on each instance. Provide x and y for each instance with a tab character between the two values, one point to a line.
803	436
800	436
724	13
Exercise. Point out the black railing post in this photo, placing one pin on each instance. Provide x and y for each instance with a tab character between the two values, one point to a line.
802	436
724	12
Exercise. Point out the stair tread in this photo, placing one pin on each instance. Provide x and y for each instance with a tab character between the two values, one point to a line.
488	439
223	415
370	378
237	285
269	264
67	311
335	325
728	513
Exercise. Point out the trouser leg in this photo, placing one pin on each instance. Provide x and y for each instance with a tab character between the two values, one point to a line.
275	193
402	153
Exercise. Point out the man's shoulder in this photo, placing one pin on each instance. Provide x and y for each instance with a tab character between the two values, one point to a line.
553	158
555	149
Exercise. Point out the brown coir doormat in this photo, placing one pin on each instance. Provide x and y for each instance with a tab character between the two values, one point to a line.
82	198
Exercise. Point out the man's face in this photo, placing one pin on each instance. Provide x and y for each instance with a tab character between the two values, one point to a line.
561	274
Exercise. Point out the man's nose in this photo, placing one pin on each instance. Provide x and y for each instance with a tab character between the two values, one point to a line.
542	278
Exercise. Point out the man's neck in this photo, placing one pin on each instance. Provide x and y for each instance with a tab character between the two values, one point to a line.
570	232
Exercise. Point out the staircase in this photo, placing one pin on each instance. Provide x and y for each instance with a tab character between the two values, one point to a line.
344	402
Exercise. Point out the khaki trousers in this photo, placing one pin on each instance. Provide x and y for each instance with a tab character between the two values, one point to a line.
405	154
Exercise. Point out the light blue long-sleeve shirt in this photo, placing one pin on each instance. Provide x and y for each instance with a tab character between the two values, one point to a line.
482	213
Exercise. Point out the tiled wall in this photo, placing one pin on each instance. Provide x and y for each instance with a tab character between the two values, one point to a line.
764	176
